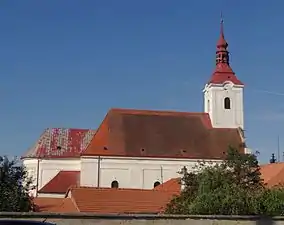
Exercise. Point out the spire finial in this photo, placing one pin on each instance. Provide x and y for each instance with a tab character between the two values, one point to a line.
222	42
222	24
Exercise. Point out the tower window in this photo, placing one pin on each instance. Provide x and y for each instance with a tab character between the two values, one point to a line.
114	184
227	103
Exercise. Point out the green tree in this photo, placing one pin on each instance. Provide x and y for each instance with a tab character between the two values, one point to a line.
244	169
14	187
232	187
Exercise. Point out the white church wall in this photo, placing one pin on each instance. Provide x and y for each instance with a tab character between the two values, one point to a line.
89	172
46	195
139	173
31	167
49	168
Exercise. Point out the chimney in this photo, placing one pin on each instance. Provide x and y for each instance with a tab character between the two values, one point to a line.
273	159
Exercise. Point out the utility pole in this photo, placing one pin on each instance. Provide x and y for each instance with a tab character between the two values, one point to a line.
278	148
39	160
37	176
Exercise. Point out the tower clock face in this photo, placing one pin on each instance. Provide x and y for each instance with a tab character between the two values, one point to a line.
228	85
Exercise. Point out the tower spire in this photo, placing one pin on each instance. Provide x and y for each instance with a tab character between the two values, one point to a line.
222	54
223	71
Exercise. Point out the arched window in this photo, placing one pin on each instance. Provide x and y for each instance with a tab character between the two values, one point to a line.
227	103
114	184
157	183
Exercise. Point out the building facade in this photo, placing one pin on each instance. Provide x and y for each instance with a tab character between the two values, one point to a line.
143	148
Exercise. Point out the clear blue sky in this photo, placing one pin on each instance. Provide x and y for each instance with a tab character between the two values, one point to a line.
65	63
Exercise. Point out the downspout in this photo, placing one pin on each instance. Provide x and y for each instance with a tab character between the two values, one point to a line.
37	177
162	176
99	171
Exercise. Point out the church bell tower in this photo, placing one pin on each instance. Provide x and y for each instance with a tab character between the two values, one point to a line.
223	93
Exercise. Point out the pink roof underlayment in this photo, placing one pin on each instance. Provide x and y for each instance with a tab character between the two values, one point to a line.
60	143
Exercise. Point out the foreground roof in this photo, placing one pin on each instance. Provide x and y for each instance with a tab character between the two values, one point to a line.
172	185
62	182
144	133
60	143
55	205
110	200
272	174
107	201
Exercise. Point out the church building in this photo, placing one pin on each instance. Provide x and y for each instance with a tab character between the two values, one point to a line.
142	149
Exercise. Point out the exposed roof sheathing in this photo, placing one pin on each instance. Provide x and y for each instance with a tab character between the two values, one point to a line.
60	143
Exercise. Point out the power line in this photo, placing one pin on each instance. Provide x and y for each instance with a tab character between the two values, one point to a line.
268	92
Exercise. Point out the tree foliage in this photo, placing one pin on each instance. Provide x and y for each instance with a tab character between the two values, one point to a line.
14	187
233	187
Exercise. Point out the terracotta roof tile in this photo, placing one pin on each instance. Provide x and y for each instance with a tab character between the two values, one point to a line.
60	143
62	182
144	133
272	174
172	185
108	200
55	205
224	73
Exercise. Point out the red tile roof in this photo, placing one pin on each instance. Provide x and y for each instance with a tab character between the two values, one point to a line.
172	185
144	133
55	205
272	174
62	182
60	143
109	200
223	73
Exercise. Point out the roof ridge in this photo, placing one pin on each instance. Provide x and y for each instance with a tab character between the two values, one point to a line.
73	201
77	171
69	128
116	189
150	111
